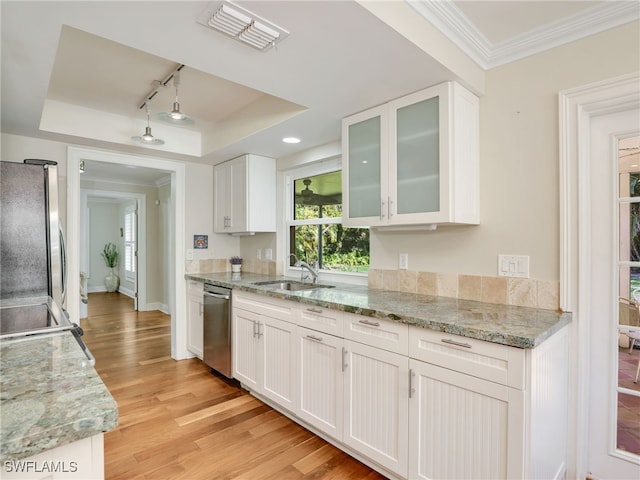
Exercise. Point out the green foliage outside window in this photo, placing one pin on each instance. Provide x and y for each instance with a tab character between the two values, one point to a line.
331	245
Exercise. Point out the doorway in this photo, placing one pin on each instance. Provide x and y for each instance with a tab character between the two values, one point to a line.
112	216
176	227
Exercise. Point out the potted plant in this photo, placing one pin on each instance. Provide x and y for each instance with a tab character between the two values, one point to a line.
236	264
110	255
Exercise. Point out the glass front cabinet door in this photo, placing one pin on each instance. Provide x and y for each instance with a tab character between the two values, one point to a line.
425	149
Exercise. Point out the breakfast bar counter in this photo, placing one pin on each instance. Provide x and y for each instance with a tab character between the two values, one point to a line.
50	396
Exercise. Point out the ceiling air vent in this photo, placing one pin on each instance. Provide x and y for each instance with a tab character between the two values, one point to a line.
241	24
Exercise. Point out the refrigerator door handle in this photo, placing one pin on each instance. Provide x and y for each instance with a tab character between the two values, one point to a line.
63	262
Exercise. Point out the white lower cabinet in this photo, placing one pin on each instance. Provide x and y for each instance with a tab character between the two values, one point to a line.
79	460
321	381
376	405
411	402
263	356
463	427
195	325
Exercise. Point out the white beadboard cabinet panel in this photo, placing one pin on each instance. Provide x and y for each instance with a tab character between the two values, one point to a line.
278	363
548	417
463	427
321	382
376	394
246	348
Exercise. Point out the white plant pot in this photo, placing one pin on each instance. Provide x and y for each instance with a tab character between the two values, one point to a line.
112	281
236	268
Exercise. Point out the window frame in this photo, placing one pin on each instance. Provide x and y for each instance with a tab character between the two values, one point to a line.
132	209
316	168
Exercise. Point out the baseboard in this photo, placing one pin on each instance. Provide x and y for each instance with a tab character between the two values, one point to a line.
158	306
97	289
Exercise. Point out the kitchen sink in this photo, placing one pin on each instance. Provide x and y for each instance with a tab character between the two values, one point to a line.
291	285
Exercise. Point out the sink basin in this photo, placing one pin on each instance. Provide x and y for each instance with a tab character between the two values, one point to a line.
291	285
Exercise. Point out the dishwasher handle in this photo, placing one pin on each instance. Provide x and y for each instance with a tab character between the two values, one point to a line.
216	295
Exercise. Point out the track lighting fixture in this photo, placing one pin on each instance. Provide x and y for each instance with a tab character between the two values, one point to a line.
175	116
147	138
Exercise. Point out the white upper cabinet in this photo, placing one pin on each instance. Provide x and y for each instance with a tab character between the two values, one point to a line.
245	195
413	161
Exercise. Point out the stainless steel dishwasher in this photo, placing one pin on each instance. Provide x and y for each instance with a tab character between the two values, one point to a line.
217	328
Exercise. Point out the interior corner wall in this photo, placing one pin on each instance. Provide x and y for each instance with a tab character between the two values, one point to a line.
519	163
199	215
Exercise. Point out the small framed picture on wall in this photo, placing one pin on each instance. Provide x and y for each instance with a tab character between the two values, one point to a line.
201	241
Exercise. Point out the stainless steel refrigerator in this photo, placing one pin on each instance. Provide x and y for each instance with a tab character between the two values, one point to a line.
31	246
32	252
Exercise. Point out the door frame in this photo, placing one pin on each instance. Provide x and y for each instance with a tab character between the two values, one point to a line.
178	303
577	107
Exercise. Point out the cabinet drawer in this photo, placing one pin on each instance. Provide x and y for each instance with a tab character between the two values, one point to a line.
385	334
195	287
490	361
262	305
321	319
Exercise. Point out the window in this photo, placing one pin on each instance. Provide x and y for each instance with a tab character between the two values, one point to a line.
316	234
130	242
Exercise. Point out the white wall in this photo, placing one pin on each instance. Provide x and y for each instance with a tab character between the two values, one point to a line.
199	216
104	225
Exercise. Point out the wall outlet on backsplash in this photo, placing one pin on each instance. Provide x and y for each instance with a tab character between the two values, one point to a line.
259	254
268	254
403	261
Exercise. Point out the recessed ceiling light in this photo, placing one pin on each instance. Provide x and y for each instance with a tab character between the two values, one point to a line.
291	140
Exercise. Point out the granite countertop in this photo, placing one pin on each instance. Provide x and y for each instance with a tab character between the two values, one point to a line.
50	395
521	327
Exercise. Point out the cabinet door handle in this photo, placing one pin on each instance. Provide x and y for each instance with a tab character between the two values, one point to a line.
201	308
412	389
254	328
389	207
260	329
314	310
344	359
381	209
453	342
314	338
369	322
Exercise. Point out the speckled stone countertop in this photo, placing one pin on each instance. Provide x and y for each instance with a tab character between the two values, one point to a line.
521	327
50	395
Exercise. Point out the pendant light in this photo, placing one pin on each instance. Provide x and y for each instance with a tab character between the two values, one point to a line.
175	116
147	138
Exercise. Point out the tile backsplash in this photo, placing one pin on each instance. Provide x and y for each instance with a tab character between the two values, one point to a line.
265	267
506	291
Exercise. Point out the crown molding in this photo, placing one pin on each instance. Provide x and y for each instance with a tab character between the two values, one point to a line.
454	24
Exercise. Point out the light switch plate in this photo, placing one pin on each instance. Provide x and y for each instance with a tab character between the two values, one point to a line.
515	266
403	261
268	254
259	254
189	253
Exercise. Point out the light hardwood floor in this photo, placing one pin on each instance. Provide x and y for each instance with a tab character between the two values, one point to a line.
178	421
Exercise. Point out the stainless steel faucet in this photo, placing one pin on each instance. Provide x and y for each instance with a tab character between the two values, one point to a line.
312	271
305	266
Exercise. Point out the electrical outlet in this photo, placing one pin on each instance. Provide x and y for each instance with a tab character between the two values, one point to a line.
189	253
403	261
259	254
268	254
513	266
